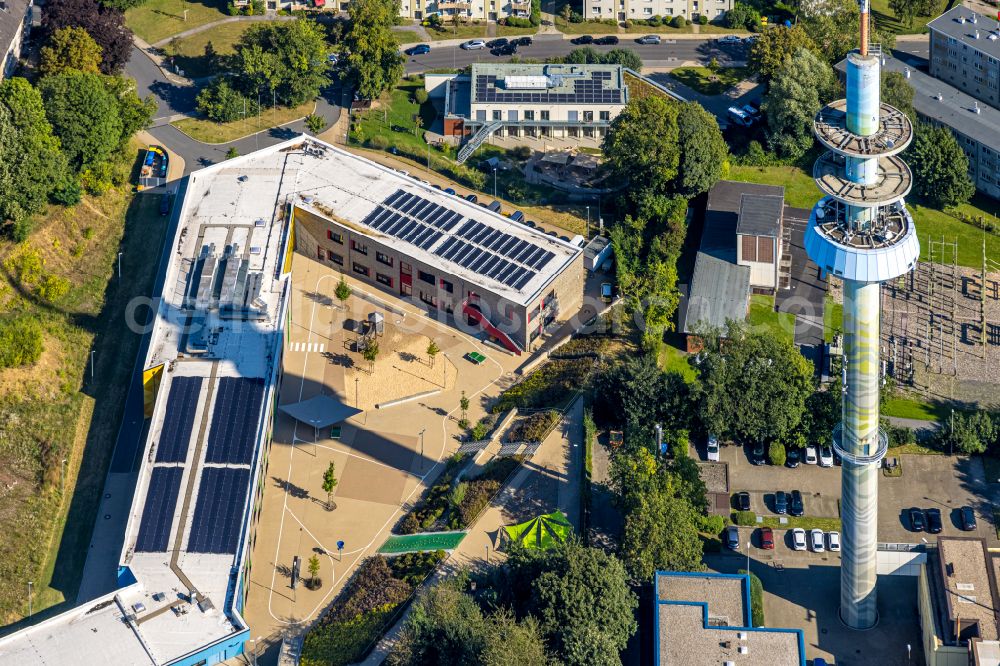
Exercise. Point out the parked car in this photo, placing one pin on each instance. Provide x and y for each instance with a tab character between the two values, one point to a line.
816	540
934	524
743	501
472	198
517	216
608	295
495	207
505	50
733	537
781	502
713	448
767	538
739	117
495	43
523	41
419	49
833	542
583	39
796	507
450	190
968	518
792	458
811	457
798	539
757	456
165	206
333	58
751	111
606	40
916	516
730	39
649	39
474	44
826	457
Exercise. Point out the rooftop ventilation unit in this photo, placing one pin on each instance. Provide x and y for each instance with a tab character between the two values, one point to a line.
975	34
973	19
526	82
939	97
742	635
975	108
743	649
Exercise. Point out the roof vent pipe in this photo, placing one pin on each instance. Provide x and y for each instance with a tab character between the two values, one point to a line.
906	72
973	18
939	97
975	108
975	34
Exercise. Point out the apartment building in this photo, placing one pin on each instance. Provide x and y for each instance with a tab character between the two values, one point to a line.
638	10
522	100
472	10
965	52
15	22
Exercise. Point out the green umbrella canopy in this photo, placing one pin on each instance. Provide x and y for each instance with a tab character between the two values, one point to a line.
542	532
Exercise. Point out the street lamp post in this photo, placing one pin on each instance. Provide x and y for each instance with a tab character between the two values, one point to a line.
951	438
119	266
91	364
30	584
494	182
422	449
62	478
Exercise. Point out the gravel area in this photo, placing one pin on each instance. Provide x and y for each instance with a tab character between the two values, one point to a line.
715	476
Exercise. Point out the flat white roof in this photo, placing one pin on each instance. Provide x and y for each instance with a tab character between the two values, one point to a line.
349	189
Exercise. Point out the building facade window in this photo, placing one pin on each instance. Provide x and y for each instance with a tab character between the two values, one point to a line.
605	116
447	286
429	299
529	115
357	247
334	236
588	116
545	115
361	269
496	115
383	258
335	258
426	277
384	279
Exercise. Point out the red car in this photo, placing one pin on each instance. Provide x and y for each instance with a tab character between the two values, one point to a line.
766	538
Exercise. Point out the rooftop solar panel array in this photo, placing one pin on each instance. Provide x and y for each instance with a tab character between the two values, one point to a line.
494	254
413	219
178	421
158	513
234	420
591	90
218	512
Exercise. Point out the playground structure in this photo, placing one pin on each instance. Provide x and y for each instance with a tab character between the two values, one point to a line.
941	336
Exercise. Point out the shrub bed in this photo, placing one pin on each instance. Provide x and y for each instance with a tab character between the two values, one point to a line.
433	505
551	385
472	496
532	428
365	608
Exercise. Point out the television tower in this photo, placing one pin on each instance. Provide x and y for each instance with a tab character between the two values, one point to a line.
861	232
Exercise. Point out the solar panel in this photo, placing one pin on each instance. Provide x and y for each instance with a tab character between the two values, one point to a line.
158	512
218	512
235	416
178	420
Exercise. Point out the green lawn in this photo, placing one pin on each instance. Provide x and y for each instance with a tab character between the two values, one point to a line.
805	522
886	20
833	317
704	81
912	408
585	28
672	359
188	53
207	131
411	543
762	313
158	19
448	31
801	192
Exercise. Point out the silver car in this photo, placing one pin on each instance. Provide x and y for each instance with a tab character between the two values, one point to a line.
474	44
649	39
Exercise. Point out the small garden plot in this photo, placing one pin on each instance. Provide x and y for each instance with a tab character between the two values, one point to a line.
534	427
551	386
366	607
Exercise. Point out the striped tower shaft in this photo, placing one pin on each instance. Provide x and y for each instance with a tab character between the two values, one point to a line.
859	483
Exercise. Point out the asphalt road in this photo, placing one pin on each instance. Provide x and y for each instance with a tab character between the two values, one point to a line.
670	53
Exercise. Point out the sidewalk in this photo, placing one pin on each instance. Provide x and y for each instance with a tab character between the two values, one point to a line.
549	480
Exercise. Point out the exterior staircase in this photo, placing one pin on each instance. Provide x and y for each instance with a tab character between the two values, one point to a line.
477	140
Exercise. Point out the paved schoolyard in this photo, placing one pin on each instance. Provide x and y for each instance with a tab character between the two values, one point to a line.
382	462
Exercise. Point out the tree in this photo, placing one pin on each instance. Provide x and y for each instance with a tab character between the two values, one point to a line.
898	93
641	146
105	24
373	55
315	123
370	353
232	152
773	46
432	351
342	292
329	483
704	152
823	412
743	17
463	405
69	48
796	94
508	642
940	167
220	102
287	59
32	152
832	25
135	113
84	115
637	394
122	5
907	10
313	567
586	55
624	57
968	433
582	601
753	385
776	454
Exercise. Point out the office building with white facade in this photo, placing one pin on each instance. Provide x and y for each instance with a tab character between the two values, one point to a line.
471	10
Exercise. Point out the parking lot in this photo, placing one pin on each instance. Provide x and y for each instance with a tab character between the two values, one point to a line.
947	483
